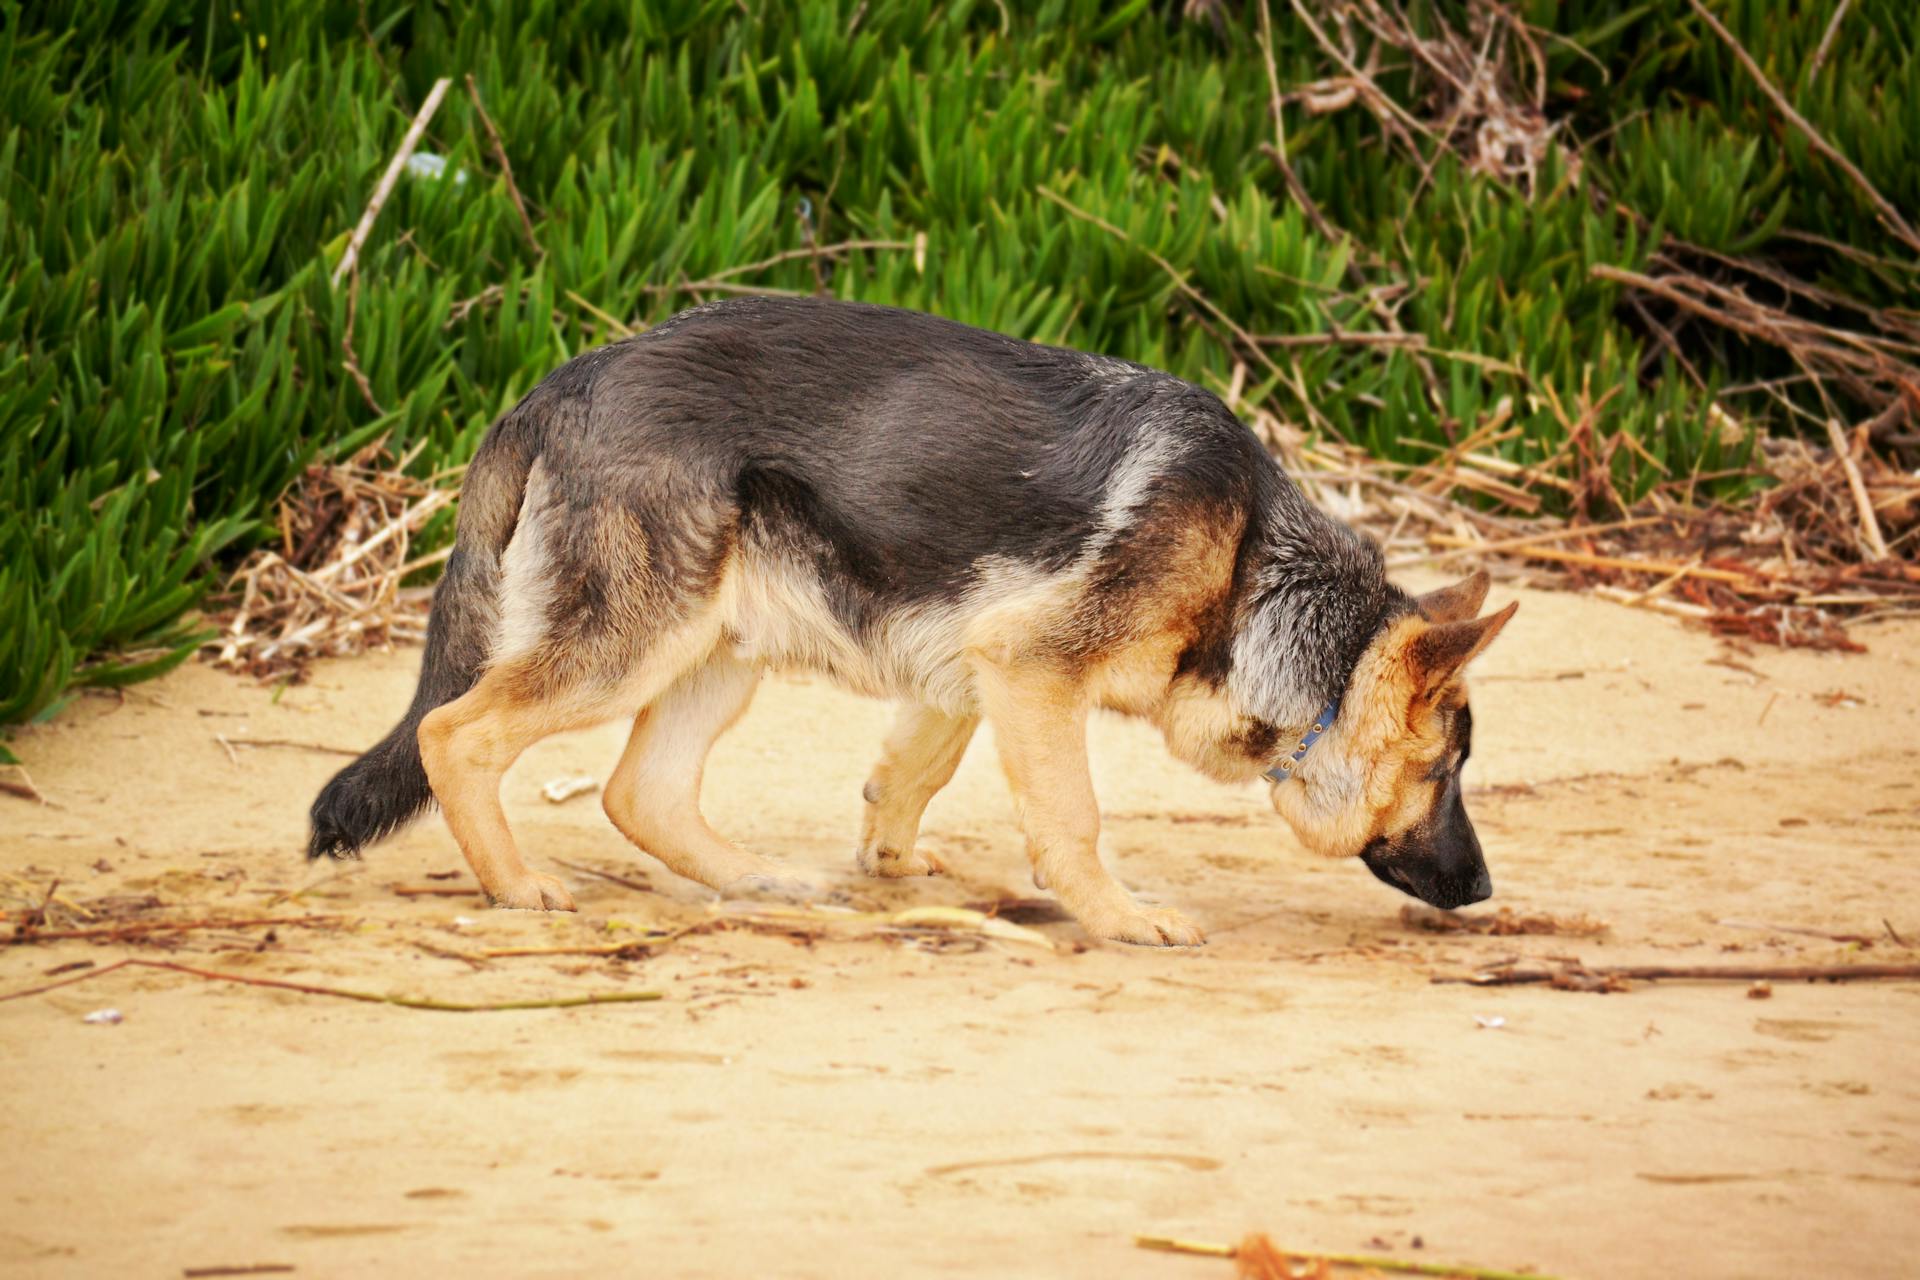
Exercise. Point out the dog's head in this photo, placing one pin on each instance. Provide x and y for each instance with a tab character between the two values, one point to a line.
1384	783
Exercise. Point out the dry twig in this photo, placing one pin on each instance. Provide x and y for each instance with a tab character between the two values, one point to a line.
1578	977
506	166
333	584
137	929
384	187
367	997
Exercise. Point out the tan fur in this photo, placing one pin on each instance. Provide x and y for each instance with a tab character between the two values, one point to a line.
1367	777
1039	718
468	745
653	796
919	758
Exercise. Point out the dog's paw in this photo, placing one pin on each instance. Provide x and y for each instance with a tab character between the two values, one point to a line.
771	886
1149	927
888	865
534	892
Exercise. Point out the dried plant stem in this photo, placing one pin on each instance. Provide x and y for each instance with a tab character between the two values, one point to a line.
718	281
1173	1244
1766	927
1819	58
1888	213
506	166
638	947
138	928
350	359
1206	1248
1341	338
20	783
384	188
1875	541
1463	546
640	885
1535	552
1694	973
343	993
1278	152
320	747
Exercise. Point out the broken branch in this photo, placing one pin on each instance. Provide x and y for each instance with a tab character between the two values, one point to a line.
391	176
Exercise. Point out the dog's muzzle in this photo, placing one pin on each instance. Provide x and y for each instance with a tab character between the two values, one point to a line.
1440	864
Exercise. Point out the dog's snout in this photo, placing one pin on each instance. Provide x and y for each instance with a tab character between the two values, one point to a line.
1445	869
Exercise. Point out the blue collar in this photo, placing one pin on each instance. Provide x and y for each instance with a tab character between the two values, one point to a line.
1321	723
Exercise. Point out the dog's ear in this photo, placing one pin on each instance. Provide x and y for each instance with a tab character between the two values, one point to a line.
1437	654
1456	603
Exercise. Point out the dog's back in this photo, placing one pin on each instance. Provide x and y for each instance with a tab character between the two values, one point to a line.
855	484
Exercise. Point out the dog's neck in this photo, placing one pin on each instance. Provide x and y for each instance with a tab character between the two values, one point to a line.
1315	596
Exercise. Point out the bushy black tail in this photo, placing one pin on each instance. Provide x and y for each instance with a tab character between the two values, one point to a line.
387	787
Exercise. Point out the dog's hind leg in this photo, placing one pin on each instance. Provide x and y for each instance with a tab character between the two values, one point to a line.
466	746
1039	720
654	793
922	751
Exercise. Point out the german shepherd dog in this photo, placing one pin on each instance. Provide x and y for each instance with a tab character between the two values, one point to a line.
975	526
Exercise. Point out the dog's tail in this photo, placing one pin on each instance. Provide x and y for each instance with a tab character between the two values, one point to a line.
387	787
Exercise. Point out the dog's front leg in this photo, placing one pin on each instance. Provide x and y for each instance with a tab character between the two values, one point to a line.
1039	719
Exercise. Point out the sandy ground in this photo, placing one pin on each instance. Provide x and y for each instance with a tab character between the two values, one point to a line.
863	1106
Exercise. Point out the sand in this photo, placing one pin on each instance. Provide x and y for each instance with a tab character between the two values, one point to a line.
864	1106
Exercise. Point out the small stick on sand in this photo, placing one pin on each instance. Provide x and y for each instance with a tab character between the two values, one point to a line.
437	890
638	949
321	747
391	176
641	885
1259	1249
1584	978
343	993
20	784
472	962
132	929
1768	927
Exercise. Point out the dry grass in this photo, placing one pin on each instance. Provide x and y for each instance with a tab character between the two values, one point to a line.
332	585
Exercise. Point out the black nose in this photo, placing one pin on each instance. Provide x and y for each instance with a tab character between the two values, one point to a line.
1450	894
